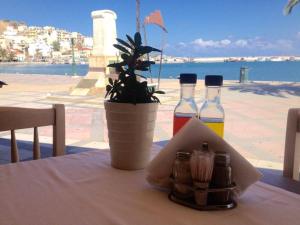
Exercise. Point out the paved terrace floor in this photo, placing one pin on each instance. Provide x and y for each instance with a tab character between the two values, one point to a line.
255	113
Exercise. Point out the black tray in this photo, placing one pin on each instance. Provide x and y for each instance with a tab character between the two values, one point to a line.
192	204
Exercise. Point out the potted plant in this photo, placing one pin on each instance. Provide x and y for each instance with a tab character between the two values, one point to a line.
131	107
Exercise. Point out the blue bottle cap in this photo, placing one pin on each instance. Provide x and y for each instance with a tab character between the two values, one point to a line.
213	80
188	78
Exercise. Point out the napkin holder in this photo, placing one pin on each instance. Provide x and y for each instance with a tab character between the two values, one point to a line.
190	137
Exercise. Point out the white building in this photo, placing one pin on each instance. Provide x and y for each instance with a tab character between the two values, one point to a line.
3	42
88	42
52	37
10	31
65	45
41	47
20	55
15	39
49	28
39	40
22	28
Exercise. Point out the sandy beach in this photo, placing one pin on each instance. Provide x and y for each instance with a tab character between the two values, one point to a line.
255	113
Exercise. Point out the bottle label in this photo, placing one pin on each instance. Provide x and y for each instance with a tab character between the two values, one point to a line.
179	122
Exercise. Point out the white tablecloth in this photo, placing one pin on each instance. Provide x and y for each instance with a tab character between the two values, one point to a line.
83	189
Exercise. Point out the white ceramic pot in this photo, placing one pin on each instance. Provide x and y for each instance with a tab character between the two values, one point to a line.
130	133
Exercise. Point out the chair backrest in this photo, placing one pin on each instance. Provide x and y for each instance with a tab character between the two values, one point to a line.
13	118
291	164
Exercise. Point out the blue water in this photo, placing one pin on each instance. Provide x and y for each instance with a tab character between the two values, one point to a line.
269	71
52	69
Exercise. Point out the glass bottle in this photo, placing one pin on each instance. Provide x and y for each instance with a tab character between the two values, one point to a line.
181	172
212	113
187	107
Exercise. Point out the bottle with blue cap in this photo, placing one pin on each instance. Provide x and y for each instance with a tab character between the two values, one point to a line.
187	107
212	112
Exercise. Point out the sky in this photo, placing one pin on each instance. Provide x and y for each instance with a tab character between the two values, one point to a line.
196	28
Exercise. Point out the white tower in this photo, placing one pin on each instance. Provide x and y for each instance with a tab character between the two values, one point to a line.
104	33
104	36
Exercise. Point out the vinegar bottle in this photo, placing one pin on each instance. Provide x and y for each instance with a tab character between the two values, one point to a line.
212	112
187	107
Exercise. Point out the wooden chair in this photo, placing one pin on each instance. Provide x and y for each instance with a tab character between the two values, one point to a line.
13	118
291	166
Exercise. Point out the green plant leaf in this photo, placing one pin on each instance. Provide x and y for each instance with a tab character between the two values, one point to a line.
151	90
124	56
124	43
142	68
110	81
144	83
127	58
156	50
108	89
122	76
141	76
155	98
130	40
121	48
159	92
138	39
147	49
117	65
145	63
119	69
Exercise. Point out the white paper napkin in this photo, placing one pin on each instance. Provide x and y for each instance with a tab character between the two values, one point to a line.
191	137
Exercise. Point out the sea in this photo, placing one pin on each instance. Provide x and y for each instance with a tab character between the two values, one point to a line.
257	71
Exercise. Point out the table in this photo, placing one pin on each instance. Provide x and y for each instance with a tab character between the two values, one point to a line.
84	189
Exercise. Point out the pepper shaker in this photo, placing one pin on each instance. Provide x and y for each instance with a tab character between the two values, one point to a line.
221	178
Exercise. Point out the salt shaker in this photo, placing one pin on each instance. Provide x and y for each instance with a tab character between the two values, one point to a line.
182	175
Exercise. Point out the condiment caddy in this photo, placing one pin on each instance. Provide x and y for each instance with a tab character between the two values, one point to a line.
202	180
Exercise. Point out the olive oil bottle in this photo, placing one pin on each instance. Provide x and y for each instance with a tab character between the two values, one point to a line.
212	113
